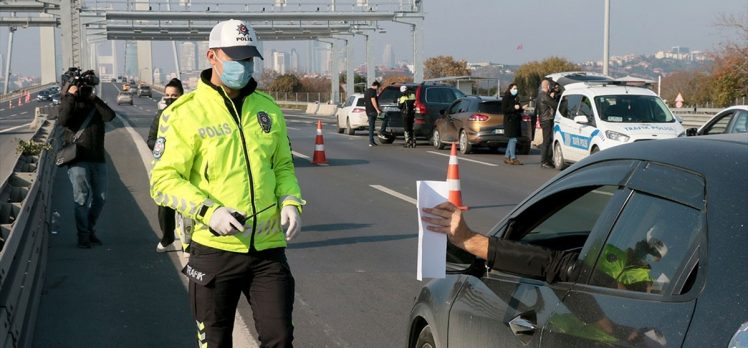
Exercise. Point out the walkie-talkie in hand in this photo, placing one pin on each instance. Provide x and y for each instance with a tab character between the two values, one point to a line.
238	216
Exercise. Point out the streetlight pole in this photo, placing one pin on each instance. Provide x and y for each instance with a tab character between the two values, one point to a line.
606	38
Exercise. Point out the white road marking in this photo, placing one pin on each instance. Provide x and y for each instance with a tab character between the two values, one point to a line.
24	113
394	194
14	128
1	110
300	155
465	159
145	154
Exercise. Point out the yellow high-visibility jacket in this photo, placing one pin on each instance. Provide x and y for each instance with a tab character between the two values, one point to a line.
206	157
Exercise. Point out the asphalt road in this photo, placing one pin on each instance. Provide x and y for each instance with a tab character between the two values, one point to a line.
355	259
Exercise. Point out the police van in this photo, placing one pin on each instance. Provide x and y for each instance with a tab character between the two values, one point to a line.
597	112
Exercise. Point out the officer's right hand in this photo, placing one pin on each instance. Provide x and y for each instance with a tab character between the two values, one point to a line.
223	223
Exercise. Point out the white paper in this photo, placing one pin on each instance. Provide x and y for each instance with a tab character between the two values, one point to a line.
432	246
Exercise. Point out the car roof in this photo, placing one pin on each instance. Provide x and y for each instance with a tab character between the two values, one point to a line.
598	89
735	107
703	154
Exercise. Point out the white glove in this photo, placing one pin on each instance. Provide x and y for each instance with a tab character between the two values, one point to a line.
223	223
290	221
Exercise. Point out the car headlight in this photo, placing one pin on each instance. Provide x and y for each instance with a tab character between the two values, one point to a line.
617	136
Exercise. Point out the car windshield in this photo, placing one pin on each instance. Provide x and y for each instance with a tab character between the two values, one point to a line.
491	107
633	109
389	95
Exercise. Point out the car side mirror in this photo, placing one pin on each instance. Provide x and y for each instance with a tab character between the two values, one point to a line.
581	119
691	132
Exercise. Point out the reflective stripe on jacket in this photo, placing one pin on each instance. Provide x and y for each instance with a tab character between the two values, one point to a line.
204	160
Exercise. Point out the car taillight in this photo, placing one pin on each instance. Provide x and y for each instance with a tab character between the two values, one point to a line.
420	107
526	118
358	110
478	117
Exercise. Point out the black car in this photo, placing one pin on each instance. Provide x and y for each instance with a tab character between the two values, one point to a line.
658	231
430	100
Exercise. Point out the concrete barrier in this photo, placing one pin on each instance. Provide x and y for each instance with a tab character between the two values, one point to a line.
24	212
327	109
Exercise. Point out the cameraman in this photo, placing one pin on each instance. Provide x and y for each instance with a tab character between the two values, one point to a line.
88	171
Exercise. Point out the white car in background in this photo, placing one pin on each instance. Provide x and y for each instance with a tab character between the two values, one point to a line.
596	113
730	120
352	116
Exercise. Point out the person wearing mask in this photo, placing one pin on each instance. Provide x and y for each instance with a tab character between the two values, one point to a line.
546	112
223	160
80	108
556	92
512	110
172	91
371	101
407	102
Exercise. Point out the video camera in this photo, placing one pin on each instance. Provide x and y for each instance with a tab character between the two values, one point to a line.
76	76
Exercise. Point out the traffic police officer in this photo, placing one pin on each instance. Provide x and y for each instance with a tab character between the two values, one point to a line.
407	102
223	159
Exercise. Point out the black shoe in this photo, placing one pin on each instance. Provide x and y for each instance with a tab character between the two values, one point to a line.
84	244
95	240
372	144
547	165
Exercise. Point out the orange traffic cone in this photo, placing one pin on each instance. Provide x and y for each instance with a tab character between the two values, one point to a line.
28	97
319	147
453	180
19	101
10	104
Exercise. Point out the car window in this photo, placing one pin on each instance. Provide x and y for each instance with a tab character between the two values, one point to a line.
585	107
569	105
740	122
720	126
649	244
631	108
349	101
456	107
568	223
389	95
360	102
490	107
444	95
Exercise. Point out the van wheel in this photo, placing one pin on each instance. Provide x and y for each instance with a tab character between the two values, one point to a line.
594	150
426	338
436	140
348	129
465	147
558	157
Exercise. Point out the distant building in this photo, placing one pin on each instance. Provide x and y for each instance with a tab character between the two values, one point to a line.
131	59
187	56
388	56
202	60
279	62
157	76
294	61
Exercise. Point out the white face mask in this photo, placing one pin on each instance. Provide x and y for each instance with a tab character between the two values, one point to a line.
513	91
236	74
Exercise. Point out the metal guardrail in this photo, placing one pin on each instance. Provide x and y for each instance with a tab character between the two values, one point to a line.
24	211
18	94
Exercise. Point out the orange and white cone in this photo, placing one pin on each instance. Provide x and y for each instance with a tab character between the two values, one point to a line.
28	97
20	100
319	147
453	180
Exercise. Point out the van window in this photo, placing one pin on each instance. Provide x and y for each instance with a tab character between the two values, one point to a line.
569	105
389	95
633	109
444	95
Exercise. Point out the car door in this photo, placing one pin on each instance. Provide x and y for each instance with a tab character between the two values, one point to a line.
343	112
565	131
449	130
638	286
510	310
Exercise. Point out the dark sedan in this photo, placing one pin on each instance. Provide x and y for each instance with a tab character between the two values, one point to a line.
650	265
477	121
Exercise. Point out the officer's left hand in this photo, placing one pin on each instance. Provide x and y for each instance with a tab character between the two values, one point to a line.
290	221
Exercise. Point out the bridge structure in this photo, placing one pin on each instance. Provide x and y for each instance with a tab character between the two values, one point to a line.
84	24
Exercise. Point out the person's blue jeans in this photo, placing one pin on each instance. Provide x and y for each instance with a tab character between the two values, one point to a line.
89	193
511	149
372	120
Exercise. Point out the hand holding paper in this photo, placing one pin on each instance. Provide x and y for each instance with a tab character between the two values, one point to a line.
432	246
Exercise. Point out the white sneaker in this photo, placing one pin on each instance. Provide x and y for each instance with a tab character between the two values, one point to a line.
162	249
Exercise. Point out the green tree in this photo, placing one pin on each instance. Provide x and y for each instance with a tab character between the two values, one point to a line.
442	66
287	83
529	75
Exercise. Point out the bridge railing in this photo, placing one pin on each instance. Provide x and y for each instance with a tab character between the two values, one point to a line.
18	94
25	200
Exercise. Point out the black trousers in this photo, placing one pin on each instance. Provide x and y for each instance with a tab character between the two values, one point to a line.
546	149
166	222
408	119
372	118
218	278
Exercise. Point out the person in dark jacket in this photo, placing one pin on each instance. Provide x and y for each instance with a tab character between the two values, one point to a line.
546	112
512	110
166	215
87	172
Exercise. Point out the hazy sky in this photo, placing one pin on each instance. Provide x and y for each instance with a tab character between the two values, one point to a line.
491	30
